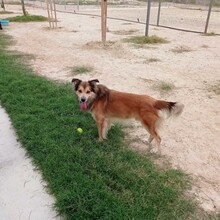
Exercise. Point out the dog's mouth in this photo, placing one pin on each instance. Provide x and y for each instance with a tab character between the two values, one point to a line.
83	105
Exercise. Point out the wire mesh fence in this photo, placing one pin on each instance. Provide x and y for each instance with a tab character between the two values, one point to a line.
187	15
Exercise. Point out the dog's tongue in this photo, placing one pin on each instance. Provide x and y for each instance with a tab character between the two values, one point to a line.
83	106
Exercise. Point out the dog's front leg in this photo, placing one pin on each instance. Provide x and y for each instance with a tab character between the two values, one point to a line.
100	122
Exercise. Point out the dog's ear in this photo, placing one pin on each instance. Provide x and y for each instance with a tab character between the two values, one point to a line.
93	85
94	81
76	83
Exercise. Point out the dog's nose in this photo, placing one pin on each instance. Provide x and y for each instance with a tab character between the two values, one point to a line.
83	99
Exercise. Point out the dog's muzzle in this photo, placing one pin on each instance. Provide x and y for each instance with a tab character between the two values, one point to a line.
83	104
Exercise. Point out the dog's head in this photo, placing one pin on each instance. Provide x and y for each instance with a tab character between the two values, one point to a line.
86	91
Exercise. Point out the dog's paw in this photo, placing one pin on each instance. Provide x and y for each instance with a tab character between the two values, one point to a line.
100	139
145	142
154	150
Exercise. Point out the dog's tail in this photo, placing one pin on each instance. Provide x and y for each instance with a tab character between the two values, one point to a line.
171	109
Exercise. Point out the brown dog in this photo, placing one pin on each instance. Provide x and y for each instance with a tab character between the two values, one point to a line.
106	104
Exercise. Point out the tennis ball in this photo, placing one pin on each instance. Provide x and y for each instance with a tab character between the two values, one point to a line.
79	130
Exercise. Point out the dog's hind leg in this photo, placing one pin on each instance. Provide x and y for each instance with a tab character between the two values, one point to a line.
150	122
154	134
106	127
150	139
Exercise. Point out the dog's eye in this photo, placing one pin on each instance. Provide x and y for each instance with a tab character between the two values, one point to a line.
80	91
88	92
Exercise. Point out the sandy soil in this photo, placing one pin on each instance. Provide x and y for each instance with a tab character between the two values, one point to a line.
192	143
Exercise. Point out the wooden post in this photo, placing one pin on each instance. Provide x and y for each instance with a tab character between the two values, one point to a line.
23	8
48	12
148	17
158	14
51	12
208	16
77	5
55	12
104	20
3	5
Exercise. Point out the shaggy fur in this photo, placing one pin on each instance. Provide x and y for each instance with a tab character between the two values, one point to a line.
106	104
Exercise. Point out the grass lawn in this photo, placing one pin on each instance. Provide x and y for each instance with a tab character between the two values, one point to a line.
90	180
81	69
5	12
27	18
141	40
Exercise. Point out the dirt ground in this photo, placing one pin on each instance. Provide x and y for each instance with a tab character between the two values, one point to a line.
191	62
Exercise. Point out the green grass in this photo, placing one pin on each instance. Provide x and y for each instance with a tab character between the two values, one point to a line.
146	40
166	86
90	180
125	32
28	18
81	69
5	12
209	34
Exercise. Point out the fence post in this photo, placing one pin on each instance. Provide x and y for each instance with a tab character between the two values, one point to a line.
3	5
55	12
104	20
208	16
23	8
78	5
48	11
148	17
158	14
51	12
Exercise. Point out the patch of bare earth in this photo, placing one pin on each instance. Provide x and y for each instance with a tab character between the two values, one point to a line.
191	143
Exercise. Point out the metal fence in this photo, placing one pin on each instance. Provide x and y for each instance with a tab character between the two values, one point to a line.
182	15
